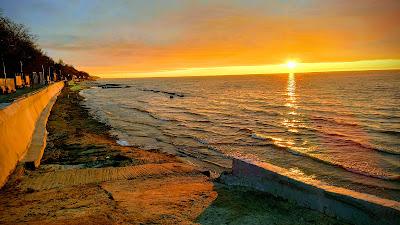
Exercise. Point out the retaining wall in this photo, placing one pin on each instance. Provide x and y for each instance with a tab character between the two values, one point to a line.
17	123
348	205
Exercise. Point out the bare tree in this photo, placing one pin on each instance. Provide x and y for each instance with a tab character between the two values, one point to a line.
18	48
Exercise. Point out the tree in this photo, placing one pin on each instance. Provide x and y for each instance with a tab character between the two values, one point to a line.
18	45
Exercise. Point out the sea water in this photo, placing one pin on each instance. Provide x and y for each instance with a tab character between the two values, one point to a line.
340	128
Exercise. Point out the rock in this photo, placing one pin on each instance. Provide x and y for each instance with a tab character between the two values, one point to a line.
30	190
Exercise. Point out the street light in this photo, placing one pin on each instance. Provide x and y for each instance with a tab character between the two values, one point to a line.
4	68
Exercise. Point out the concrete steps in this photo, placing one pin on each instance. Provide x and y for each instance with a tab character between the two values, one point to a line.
71	177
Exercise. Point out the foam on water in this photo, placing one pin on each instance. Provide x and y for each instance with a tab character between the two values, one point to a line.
123	143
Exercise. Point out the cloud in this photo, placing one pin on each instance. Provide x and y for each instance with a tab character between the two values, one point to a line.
158	35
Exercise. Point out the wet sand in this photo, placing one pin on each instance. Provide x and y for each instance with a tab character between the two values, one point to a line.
86	178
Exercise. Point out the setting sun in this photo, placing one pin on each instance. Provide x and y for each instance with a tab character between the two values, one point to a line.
192	108
291	64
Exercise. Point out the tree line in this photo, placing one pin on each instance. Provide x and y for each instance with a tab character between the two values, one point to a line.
19	50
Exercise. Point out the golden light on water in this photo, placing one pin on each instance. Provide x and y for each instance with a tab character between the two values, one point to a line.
291	103
290	122
291	92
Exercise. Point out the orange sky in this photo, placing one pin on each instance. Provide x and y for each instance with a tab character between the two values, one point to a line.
127	39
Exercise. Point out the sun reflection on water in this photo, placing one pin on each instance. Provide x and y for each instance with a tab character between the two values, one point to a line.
291	89
290	121
291	103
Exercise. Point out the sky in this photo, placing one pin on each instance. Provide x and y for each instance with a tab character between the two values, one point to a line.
129	38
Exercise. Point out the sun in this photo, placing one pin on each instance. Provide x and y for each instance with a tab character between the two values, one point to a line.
291	64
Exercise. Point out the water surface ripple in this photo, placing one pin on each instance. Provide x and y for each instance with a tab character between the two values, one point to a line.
343	129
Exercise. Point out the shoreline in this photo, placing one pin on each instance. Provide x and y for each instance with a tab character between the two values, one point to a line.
176	126
86	177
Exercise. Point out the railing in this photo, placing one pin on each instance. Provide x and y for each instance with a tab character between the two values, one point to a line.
10	85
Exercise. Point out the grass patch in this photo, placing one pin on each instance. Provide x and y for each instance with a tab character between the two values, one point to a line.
76	87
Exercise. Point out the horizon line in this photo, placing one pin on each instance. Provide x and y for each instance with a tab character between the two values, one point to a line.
256	74
302	67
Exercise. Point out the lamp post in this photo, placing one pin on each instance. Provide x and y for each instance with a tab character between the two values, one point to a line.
4	68
41	81
4	72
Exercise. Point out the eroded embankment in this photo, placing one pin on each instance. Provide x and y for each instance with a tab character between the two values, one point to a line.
17	123
86	178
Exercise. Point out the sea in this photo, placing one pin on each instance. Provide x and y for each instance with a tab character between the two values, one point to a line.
340	128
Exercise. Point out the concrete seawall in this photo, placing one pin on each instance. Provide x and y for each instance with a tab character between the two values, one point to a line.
348	205
17	124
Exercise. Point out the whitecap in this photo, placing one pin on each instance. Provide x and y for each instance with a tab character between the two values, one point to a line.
123	143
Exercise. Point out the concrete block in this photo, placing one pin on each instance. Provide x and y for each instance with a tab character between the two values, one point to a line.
348	205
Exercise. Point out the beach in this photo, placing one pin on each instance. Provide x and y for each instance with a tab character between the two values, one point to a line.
85	177
199	112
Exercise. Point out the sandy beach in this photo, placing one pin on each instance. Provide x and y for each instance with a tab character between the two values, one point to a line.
199	112
86	178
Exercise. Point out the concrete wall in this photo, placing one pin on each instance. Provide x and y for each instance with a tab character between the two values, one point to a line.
17	123
348	205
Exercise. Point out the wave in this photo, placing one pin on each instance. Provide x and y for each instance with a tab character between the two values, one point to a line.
346	139
223	114
196	117
121	119
194	114
123	142
260	111
150	114
390	132
261	137
265	137
312	111
134	108
203	130
370	147
296	152
349	169
176	107
245	130
267	124
363	118
184	112
335	121
206	143
201	121
360	124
